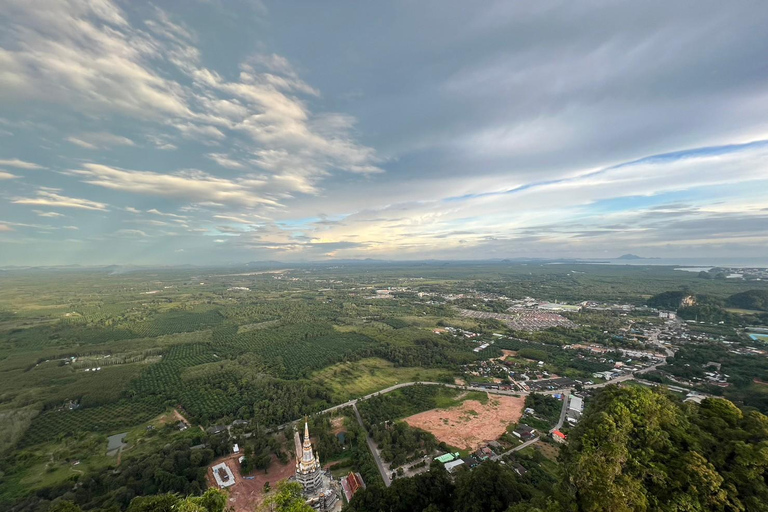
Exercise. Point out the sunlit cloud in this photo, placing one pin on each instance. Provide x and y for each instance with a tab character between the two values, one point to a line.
20	164
45	198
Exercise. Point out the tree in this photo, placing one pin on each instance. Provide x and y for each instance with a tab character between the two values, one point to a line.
213	500
636	449
488	488
287	497
65	506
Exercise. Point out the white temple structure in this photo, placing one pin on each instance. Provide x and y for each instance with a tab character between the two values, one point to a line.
319	488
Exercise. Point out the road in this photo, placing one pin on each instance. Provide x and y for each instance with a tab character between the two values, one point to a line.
517	448
563	411
374	450
565	392
353	402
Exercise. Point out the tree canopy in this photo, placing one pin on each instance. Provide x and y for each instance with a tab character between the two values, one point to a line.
637	450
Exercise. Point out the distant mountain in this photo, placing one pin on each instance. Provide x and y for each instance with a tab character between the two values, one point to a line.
630	257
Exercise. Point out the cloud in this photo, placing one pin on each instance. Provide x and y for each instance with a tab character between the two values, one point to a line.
5	228
85	54
225	161
45	198
161	142
72	228
155	211
90	55
239	219
99	140
130	233
20	164
7	176
41	213
528	141
192	186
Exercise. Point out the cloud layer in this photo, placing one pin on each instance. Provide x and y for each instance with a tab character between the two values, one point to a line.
225	133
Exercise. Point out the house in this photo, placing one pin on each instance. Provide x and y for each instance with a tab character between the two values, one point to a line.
223	475
495	445
525	432
451	466
520	470
484	453
448	457
576	404
559	436
351	484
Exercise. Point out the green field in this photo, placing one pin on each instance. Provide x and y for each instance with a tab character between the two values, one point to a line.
358	378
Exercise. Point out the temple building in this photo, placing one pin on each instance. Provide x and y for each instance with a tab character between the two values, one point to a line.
319	488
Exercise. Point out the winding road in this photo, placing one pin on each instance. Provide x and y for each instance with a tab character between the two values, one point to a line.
565	392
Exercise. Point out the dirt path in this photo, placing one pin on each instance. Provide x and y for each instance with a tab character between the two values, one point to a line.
471	424
178	416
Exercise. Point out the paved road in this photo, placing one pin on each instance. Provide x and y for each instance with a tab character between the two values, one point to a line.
565	392
517	448
374	451
351	403
563	411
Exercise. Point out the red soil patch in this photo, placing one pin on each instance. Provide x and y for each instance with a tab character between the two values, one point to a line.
471	424
245	495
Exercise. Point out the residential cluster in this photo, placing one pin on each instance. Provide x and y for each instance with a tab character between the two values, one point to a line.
521	319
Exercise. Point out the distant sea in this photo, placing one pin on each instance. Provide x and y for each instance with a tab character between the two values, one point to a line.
702	263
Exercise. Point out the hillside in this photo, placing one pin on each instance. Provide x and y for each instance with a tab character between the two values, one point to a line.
667	300
751	299
635	449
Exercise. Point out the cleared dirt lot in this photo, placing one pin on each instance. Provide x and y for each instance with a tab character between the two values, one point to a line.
507	353
245	495
471	424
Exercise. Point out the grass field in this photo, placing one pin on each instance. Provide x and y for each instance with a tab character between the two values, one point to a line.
740	311
358	378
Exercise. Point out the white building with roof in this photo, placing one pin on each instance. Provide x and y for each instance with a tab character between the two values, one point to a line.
451	466
223	475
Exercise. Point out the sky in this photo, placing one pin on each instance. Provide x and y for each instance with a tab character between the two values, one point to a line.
226	131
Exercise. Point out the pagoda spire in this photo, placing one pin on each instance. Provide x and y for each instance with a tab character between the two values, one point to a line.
307	457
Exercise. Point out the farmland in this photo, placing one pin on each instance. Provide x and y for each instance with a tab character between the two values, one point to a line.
85	354
358	378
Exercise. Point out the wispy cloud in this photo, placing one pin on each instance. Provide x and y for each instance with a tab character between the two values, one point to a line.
20	164
52	199
225	161
99	140
93	57
41	213
191	186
